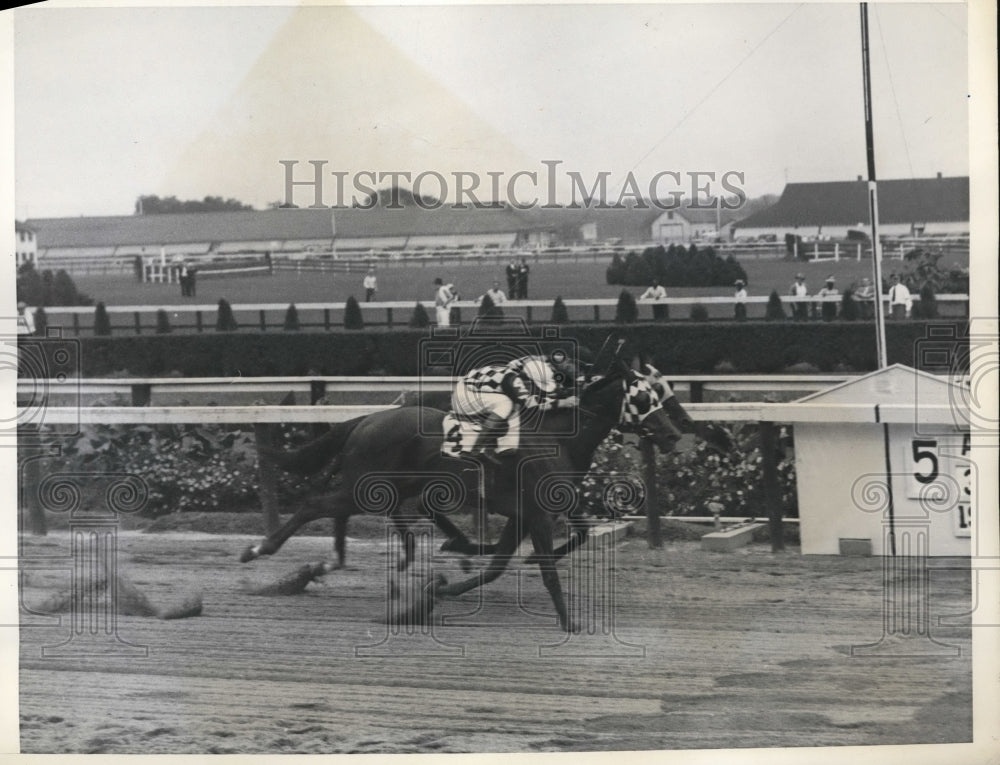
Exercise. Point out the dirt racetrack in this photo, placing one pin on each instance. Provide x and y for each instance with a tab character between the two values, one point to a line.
737	649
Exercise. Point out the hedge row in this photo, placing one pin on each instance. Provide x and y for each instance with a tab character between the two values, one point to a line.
695	348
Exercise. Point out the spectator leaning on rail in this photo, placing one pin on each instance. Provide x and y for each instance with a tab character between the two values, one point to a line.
494	393
740	300
900	301
370	283
829	309
865	295
799	289
495	294
443	298
656	292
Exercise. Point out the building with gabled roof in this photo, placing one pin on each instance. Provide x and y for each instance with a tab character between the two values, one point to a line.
907	207
279	230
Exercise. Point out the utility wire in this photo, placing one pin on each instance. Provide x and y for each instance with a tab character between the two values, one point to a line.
714	88
892	88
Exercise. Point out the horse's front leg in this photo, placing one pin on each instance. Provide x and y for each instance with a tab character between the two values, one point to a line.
540	527
511	535
579	528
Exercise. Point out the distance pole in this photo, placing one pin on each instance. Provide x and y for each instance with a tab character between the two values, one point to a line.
873	192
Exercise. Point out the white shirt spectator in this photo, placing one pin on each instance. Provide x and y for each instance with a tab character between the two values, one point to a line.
25	320
370	282
497	295
442	302
900	295
655	292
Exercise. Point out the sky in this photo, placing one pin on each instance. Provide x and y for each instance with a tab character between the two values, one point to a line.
112	103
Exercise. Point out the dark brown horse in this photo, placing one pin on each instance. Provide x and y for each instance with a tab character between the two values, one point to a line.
396	454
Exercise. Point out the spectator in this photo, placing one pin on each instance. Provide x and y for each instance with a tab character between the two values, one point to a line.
740	300
656	292
192	273
900	301
865	295
522	280
443	299
370	284
25	320
495	294
182	277
800	310
829	309
511	271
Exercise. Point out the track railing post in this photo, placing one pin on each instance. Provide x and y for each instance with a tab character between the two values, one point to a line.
655	534
772	496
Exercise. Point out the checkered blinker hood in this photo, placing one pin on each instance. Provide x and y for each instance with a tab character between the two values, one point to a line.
640	401
657	382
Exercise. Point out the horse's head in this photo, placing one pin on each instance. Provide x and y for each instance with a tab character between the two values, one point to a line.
643	411
678	415
716	436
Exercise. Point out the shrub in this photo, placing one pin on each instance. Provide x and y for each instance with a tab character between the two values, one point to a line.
637	270
926	307
626	311
162	323
775	310
102	324
559	313
615	273
225	321
352	314
291	319
419	318
41	321
46	288
849	306
699	312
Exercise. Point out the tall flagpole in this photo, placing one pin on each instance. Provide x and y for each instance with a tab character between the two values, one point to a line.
873	192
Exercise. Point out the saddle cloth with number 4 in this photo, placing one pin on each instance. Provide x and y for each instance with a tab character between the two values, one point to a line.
461	434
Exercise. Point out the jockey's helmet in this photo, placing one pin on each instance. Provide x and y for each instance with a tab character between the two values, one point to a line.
540	373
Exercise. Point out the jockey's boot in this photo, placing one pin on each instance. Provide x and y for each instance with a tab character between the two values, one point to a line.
493	427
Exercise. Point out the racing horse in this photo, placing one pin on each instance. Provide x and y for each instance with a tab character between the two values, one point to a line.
325	453
397	454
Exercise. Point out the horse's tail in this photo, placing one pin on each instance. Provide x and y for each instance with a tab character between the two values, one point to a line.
319	452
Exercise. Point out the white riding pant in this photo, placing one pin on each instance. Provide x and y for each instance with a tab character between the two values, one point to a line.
470	403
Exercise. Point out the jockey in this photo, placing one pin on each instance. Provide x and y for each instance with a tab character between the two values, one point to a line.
494	394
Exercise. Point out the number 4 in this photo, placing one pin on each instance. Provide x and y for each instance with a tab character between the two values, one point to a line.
923	450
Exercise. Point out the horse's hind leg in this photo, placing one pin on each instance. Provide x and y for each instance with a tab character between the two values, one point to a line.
578	531
321	507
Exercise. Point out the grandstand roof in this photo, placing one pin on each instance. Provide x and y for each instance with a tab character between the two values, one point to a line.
262	225
832	203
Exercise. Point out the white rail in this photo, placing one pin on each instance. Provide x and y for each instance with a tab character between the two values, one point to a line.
722	412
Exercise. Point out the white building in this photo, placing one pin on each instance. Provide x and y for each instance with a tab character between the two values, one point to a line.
25	244
907	207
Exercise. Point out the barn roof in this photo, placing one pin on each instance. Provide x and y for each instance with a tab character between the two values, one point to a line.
832	203
263	225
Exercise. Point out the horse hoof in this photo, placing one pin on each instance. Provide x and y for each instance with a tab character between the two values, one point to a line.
571	626
247	555
465	564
